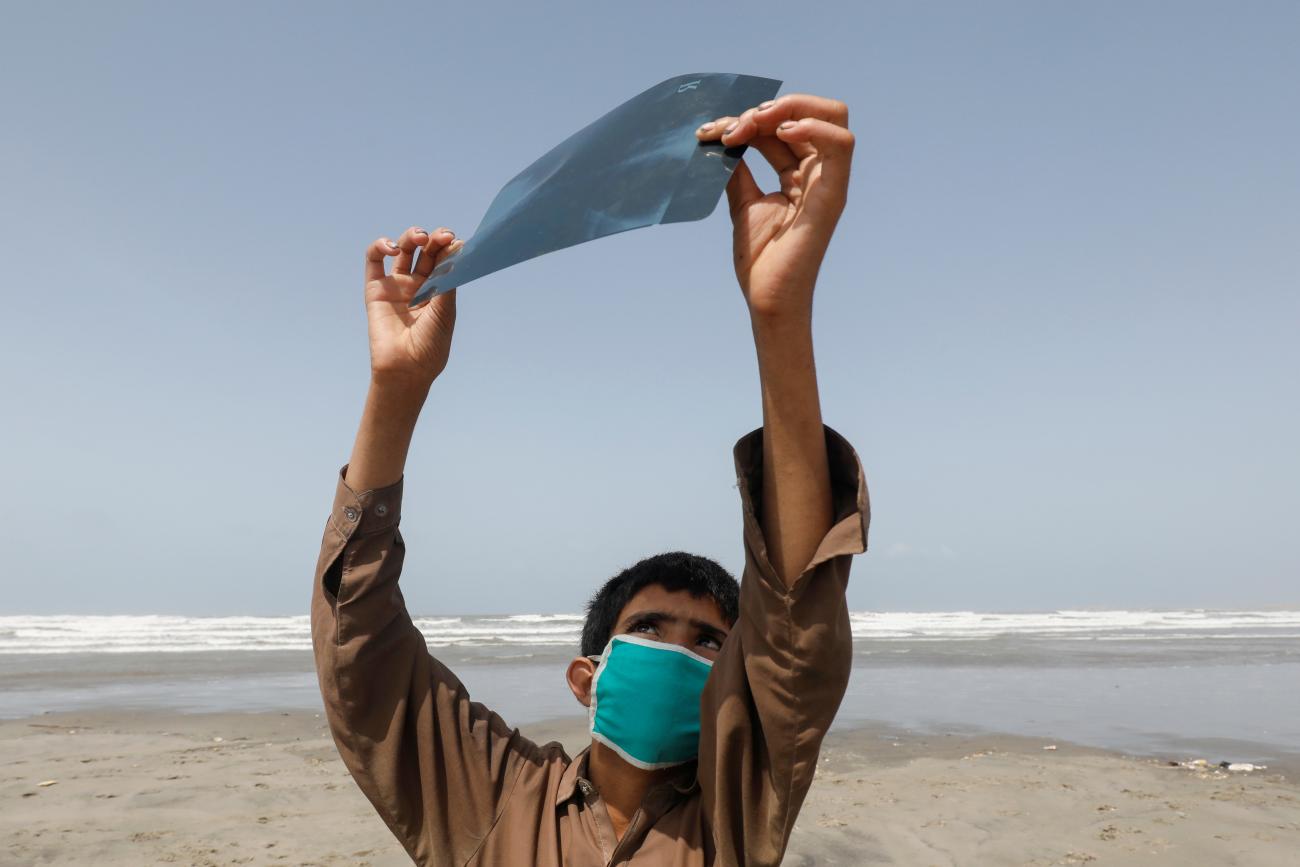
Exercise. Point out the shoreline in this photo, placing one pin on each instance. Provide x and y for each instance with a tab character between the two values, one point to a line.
269	788
571	731
1237	712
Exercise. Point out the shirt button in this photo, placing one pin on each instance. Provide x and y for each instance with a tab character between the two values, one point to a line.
381	510
351	513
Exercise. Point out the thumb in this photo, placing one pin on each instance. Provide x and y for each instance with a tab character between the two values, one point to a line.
742	188
435	322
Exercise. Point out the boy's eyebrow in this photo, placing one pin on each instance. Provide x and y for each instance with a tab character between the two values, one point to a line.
659	616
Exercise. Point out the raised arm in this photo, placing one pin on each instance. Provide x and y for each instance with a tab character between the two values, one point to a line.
778	244
435	765
408	349
780	676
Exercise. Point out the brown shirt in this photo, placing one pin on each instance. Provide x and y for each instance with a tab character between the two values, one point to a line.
460	786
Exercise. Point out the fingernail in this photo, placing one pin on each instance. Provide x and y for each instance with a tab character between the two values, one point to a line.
764	106
789	124
706	127
391	245
419	231
729	130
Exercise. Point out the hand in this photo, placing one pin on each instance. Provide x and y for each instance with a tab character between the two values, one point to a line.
407	345
781	237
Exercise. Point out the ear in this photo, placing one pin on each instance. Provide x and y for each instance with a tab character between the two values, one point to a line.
580	674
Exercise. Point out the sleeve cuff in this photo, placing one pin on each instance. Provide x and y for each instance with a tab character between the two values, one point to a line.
373	511
850	504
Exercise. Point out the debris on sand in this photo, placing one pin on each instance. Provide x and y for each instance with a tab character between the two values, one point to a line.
1208	768
1242	766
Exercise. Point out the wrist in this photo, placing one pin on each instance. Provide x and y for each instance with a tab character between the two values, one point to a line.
780	303
384	435
400	385
786	328
396	403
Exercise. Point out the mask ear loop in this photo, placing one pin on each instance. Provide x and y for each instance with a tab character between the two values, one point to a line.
599	659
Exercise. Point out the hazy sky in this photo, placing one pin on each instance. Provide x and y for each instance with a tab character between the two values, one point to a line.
1059	319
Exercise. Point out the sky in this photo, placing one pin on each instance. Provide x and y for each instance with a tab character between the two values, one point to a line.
1058	320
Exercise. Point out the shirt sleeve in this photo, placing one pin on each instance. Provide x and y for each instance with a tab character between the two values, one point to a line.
781	673
437	767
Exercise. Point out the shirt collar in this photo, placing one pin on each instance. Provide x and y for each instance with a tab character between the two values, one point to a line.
569	779
688	781
682	784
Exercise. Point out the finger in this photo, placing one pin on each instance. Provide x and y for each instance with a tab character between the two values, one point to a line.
771	114
777	153
797	106
833	143
713	130
375	255
740	130
742	189
431	262
735	131
438	242
411	238
831	140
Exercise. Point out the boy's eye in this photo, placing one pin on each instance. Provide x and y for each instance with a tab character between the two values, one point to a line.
645	626
710	642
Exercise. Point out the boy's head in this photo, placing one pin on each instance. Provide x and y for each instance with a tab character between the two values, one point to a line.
675	598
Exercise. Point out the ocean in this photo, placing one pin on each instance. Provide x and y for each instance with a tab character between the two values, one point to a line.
1177	682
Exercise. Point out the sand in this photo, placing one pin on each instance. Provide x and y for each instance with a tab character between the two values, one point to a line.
268	788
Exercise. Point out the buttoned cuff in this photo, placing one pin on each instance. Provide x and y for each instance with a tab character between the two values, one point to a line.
361	514
850	504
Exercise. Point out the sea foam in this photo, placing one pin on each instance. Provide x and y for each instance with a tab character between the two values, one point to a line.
151	633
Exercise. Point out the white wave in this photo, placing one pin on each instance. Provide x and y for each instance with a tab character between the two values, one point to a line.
972	624
174	634
153	633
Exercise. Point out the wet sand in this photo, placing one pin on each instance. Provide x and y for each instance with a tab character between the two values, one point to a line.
268	788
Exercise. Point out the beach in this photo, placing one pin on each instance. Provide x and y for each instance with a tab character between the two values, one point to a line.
134	788
964	739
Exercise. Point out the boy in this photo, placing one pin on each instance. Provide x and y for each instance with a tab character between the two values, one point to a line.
708	703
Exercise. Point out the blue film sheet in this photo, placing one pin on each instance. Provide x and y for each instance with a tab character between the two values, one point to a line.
639	165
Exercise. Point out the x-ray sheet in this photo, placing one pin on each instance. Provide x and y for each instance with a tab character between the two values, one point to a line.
637	166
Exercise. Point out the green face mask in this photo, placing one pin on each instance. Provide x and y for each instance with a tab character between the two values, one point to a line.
645	701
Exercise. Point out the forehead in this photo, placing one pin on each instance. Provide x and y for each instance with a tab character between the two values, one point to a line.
678	603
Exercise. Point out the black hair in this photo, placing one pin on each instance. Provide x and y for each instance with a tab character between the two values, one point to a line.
675	570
